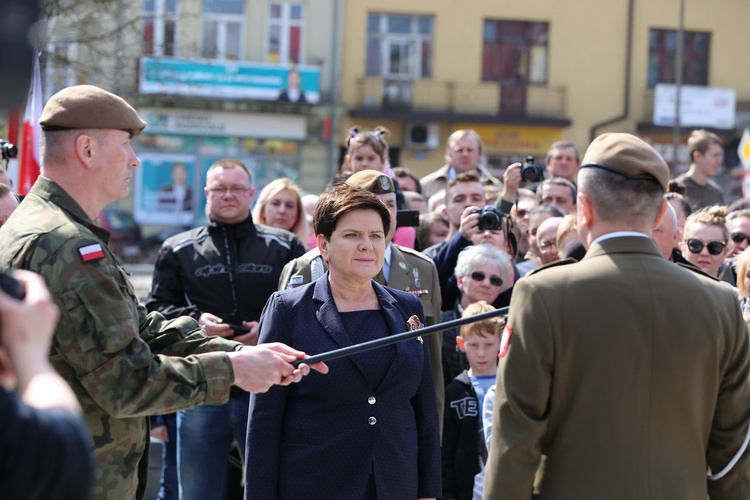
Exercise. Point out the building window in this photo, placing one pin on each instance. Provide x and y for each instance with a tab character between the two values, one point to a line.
159	27
662	46
399	46
286	33
515	51
223	23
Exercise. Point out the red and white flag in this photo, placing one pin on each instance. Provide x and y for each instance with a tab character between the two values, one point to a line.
29	166
91	252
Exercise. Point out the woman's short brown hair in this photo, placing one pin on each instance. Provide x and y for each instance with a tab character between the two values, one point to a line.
342	199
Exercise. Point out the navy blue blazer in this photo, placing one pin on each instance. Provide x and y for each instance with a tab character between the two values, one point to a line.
322	437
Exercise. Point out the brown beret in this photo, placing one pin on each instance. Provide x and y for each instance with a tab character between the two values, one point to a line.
628	156
86	106
373	181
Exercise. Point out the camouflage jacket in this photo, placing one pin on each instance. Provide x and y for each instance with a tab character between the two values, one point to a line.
122	363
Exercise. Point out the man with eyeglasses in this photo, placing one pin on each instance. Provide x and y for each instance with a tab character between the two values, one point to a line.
629	376
220	274
546	240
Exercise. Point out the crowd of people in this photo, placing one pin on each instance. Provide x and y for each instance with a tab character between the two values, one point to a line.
622	369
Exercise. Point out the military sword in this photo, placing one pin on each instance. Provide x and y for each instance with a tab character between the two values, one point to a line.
399	337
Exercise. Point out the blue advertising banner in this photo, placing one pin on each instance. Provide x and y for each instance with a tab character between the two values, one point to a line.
165	190
230	79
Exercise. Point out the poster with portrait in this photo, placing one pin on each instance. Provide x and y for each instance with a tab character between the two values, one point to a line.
166	190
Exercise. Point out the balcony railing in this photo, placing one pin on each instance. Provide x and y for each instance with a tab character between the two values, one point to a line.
484	98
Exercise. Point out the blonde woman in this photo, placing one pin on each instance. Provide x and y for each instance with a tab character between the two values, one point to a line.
280	205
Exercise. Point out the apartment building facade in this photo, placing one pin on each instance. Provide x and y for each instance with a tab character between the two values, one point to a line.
208	74
527	73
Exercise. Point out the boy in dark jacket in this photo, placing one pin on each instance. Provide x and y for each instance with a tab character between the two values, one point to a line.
463	451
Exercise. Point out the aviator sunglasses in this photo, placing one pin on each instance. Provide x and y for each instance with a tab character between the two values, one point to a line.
696	246
740	237
480	276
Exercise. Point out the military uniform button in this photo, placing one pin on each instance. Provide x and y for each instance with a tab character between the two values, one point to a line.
372	420
371	400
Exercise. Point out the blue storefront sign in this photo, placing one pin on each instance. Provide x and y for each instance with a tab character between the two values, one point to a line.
230	79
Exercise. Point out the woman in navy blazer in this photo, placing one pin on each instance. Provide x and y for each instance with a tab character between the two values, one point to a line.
369	429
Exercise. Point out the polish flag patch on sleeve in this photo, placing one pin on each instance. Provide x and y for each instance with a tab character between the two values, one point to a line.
90	253
505	341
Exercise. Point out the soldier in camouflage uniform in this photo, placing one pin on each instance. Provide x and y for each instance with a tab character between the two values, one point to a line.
409	271
122	363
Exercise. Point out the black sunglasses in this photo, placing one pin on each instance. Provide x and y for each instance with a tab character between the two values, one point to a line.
480	276
740	237
714	247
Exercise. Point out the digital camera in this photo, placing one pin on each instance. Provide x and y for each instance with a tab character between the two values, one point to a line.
8	150
490	218
530	171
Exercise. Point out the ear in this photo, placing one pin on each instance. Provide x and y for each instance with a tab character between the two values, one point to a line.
460	343
85	147
662	210
675	238
585	209
348	161
252	192
322	246
460	283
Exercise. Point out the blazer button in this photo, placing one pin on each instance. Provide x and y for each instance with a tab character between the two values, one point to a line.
371	400
372	420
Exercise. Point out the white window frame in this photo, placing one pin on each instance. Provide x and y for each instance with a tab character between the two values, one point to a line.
285	23
413	39
222	22
159	17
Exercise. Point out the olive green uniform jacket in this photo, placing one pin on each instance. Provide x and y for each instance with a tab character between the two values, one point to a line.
411	271
630	374
122	363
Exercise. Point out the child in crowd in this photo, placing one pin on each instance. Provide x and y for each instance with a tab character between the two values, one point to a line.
368	150
463	450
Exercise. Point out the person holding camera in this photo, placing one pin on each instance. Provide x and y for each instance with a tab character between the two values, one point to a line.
471	222
44	442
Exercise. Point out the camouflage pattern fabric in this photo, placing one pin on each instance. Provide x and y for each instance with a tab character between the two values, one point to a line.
122	363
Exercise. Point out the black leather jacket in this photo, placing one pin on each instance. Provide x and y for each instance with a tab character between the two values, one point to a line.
229	270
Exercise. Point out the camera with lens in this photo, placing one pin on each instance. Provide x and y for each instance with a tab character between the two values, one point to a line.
530	171
8	150
490	218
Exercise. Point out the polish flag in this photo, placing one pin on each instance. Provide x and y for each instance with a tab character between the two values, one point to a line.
29	166
91	252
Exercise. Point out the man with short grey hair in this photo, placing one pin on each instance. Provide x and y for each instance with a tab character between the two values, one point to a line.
628	374
122	363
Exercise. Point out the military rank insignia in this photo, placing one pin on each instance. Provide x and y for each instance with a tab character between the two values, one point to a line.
91	253
505	341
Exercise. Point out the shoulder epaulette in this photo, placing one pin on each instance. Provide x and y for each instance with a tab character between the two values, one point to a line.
696	269
562	262
411	251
